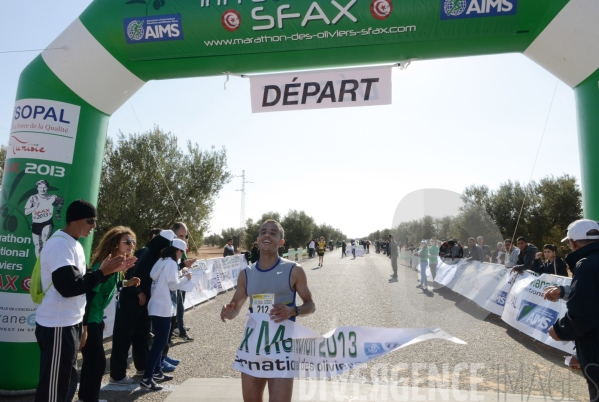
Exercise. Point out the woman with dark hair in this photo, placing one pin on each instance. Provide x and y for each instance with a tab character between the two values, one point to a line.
553	263
162	307
117	241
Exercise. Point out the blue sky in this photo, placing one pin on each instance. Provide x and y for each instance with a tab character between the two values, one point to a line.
452	123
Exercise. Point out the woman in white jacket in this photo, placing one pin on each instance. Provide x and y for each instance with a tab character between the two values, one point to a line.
162	307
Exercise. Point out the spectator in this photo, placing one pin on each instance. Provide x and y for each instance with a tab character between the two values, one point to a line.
458	250
118	241
255	253
178	326
229	249
394	255
581	322
444	249
59	317
311	247
343	248
433	253
526	256
475	253
353	247
553	263
161	308
487	254
423	254
511	254
131	322
155	232
498	256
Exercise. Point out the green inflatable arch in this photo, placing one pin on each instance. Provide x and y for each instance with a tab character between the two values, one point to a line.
65	97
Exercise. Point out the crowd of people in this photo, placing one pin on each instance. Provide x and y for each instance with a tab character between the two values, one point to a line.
70	316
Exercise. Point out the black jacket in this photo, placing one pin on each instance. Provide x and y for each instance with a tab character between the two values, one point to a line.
557	267
526	258
146	258
581	322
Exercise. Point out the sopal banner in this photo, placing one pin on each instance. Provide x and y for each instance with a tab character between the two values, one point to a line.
36	176
289	350
348	87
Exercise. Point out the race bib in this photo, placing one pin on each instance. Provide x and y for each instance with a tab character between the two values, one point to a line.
262	303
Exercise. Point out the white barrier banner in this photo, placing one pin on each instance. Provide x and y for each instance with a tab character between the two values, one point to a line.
347	87
486	283
527	311
466	276
289	350
447	272
496	299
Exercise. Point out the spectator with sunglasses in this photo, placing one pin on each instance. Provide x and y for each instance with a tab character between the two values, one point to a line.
58	328
118	241
131	321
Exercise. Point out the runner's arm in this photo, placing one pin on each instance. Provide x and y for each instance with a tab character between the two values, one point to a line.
231	310
300	281
30	206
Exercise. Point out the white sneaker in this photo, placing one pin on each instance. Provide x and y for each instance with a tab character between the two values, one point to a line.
176	331
124	381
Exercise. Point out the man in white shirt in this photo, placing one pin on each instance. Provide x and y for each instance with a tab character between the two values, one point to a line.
58	319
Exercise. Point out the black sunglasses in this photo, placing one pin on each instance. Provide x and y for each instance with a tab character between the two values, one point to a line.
91	221
129	242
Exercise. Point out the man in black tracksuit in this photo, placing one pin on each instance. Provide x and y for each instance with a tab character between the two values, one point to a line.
581	322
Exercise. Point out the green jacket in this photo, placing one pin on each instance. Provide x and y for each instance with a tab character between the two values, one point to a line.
99	298
433	253
423	254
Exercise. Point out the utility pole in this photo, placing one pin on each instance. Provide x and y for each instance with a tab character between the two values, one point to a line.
243	183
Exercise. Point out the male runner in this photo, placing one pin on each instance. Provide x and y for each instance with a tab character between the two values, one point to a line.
264	277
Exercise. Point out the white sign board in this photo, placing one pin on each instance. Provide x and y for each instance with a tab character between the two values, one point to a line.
348	87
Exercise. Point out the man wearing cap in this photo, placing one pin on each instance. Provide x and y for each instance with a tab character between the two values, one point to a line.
229	249
59	318
581	322
131	321
393	255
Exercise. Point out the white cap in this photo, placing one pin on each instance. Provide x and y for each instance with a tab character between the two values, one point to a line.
578	230
180	244
168	234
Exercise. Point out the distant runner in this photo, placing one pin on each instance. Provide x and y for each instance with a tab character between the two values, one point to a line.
321	249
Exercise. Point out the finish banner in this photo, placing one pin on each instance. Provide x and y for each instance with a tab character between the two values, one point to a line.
289	350
348	87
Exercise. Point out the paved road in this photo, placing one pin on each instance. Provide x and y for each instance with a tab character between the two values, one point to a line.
359	292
